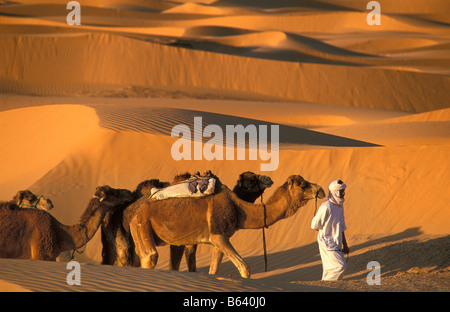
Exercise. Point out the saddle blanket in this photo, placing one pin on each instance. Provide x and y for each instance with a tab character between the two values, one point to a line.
189	188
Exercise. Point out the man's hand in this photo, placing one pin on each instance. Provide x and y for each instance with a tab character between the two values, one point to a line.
345	250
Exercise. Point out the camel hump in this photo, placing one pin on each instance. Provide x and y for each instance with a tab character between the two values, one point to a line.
196	186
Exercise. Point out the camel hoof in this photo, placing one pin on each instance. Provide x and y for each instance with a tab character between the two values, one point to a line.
153	260
245	275
245	271
150	261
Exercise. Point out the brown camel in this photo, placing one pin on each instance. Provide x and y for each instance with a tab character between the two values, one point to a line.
249	187
214	219
116	241
26	199
37	235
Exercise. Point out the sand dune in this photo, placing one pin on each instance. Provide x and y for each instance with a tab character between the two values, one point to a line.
397	134
437	115
95	104
398	6
329	44
95	75
96	278
43	136
194	8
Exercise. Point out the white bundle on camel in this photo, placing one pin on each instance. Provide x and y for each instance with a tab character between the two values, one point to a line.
197	186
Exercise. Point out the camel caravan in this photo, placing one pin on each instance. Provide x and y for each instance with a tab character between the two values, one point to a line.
190	210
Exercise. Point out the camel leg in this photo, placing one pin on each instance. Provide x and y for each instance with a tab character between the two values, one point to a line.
35	247
122	250
216	259
135	261
144	241
35	253
190	252
225	246
176	253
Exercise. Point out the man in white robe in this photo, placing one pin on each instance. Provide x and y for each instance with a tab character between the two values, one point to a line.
330	223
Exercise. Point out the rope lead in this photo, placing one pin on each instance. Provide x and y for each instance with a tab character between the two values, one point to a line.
264	234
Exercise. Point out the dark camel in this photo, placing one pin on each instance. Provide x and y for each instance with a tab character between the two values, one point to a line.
37	235
116	241
26	199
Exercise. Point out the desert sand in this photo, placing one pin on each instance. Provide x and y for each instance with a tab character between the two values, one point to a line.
94	104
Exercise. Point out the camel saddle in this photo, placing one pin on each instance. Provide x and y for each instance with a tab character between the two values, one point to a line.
197	186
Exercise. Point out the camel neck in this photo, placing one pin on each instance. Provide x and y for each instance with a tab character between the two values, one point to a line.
252	215
83	231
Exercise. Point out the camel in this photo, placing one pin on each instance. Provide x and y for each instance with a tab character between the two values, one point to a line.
26	199
116	240
249	187
214	219
37	235
118	246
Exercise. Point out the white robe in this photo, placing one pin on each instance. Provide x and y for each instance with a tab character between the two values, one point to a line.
330	223
333	264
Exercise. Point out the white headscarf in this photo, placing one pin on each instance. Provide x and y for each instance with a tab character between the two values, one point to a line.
333	194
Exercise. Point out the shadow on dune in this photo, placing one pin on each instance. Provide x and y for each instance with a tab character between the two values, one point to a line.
276	261
304	53
431	256
395	256
408	233
158	120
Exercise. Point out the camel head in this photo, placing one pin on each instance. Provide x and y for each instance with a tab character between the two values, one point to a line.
26	199
302	190
252	182
187	175
146	186
113	197
181	177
